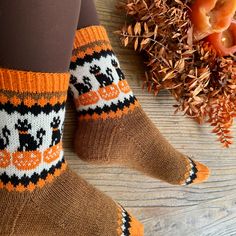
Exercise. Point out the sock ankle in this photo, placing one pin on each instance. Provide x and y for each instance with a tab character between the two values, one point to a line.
112	127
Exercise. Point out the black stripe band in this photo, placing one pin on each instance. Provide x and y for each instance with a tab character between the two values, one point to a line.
108	108
25	180
194	170
90	58
22	109
126	225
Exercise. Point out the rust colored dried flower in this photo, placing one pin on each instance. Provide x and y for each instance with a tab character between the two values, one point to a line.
203	83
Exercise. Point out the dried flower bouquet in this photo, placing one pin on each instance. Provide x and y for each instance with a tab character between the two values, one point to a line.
201	80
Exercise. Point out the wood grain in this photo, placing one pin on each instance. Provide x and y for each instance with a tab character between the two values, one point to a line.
165	210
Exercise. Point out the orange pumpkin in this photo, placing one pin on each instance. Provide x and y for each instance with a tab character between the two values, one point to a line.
86	99
109	92
53	153
211	16
5	158
28	160
224	42
124	86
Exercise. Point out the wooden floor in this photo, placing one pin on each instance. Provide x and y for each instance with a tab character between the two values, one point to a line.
165	210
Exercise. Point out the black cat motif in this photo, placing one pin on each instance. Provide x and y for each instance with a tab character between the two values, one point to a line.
4	138
103	79
56	132
82	88
118	70
27	141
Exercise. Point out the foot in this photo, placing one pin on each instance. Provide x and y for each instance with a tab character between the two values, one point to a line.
112	127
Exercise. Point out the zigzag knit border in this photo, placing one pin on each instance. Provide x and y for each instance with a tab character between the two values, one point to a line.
111	111
91	58
124	220
24	183
36	109
192	172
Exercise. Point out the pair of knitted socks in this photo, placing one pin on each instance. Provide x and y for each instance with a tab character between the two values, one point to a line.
38	191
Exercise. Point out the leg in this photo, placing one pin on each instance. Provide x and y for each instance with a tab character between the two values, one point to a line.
88	9
39	194
37	32
112	127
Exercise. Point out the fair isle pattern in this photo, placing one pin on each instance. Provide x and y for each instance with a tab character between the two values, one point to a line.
32	117
97	83
127	225
194	172
123	222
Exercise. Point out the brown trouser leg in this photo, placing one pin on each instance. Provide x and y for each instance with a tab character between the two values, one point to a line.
88	14
37	35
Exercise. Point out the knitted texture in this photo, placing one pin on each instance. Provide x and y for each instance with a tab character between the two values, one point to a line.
112	127
32	108
39	194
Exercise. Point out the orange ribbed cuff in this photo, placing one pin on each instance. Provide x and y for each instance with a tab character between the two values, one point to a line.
34	82
89	35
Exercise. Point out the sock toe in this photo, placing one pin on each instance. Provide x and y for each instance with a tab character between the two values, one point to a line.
136	228
202	173
128	225
198	173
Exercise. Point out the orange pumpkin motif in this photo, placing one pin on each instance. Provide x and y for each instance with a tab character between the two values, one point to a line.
86	99
28	160
53	153
124	86
211	16
109	92
5	158
224	42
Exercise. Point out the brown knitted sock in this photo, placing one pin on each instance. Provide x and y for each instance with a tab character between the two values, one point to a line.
39	194
112	127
